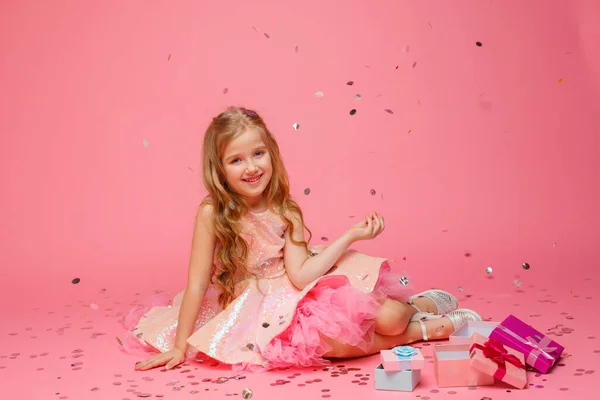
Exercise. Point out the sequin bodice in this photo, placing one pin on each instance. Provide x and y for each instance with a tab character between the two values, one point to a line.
264	233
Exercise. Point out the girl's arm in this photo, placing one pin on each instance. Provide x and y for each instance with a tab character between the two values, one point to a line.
199	272
302	269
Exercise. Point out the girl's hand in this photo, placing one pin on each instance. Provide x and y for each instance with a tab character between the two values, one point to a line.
171	358
368	228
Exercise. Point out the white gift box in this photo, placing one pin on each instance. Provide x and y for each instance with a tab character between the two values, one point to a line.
404	381
463	334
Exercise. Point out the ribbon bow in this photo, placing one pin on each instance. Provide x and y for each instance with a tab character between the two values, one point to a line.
404	351
543	344
539	347
496	352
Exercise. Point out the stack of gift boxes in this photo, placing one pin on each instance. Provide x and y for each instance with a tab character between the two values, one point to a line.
479	354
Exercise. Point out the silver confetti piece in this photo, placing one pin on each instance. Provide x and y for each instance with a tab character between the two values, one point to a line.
460	289
488	270
404	280
145	142
319	94
526	266
357	97
307	191
296	126
247	393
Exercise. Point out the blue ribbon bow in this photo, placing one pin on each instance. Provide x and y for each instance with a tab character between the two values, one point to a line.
404	351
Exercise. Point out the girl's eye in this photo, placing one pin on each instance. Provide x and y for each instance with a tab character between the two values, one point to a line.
235	161
259	153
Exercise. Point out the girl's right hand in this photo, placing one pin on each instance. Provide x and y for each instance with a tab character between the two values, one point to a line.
171	359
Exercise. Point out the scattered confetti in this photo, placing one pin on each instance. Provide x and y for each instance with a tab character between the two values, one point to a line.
350	83
387	110
467	254
267	35
75	281
460	289
404	280
560	80
319	94
169	59
325	239
353	111
357	97
414	64
478	44
488	270
526	266
373	192
225	91
517	283
307	191
94	306
247	393
409	131
406	49
296	126
296	49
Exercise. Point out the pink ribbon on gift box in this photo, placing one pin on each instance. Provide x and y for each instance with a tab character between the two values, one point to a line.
496	352
540	347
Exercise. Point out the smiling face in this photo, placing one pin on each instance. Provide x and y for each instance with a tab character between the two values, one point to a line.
248	168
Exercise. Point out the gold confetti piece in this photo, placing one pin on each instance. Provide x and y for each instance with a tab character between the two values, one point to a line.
560	80
409	131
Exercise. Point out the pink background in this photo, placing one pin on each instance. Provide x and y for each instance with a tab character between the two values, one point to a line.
490	151
501	154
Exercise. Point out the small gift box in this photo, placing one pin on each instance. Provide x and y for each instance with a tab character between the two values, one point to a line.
402	357
539	350
463	334
452	366
492	358
404	381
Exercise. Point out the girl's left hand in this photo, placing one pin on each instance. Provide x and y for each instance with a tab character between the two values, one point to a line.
368	228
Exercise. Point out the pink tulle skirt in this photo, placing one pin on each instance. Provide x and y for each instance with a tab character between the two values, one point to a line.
344	314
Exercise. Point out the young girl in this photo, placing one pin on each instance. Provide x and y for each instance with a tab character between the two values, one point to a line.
257	297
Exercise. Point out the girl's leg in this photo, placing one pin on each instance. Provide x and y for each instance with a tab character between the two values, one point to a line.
394	316
437	329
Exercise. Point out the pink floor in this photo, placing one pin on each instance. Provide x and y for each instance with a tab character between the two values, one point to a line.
69	350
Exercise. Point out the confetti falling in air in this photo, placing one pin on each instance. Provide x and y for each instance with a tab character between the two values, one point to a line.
387	110
460	289
404	280
325	239
307	191
488	270
225	91
169	59
560	80
319	94
145	143
75	281
373	192
350	83
296	126
267	35
414	64
517	283
479	44
296	48
526	266
353	111
409	131
357	97
467	254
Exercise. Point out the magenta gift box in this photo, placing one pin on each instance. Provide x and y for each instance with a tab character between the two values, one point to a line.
539	350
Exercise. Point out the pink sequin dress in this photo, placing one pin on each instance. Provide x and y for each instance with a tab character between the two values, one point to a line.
271	323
